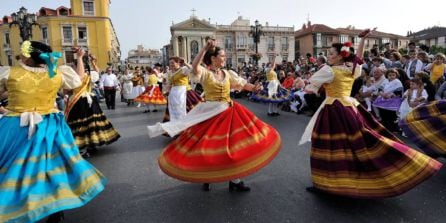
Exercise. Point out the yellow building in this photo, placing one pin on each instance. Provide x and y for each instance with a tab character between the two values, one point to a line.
87	24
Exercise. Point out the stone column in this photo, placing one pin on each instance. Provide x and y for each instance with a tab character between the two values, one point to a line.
184	42
175	46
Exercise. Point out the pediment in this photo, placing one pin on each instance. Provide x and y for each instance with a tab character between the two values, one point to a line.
193	23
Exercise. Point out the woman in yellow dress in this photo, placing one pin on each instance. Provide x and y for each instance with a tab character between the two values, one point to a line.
41	170
351	153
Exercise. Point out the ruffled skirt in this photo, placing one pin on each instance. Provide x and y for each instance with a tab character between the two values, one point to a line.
230	145
89	125
426	127
152	95
353	155
44	174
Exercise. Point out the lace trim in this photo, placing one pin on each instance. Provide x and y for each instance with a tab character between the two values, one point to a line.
34	69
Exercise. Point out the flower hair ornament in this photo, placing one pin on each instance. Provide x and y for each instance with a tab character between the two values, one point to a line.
26	49
345	50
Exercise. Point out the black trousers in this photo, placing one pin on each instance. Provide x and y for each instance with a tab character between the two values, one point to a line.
110	95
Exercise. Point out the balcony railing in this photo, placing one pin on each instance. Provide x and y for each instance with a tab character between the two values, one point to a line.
271	47
82	42
66	42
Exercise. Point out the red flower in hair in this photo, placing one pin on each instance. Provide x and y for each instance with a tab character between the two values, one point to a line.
348	44
345	53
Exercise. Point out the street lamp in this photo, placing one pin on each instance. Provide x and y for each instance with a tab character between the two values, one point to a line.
256	32
25	22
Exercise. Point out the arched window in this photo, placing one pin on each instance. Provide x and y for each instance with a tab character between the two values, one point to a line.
193	49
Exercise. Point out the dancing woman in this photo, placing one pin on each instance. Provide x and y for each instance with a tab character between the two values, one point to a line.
273	93
41	170
88	123
220	140
181	97
351	153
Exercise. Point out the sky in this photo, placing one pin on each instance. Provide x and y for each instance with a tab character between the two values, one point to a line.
148	22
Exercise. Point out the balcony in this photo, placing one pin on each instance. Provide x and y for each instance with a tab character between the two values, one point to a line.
82	42
67	42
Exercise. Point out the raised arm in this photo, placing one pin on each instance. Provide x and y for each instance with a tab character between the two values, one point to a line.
80	69
199	58
94	63
363	35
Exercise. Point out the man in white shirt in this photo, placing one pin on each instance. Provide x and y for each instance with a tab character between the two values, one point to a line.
109	83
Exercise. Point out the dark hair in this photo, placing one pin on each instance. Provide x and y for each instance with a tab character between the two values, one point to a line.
211	53
37	49
394	71
338	47
396	55
176	59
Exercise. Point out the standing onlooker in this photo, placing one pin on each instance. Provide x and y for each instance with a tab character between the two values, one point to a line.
109	83
414	65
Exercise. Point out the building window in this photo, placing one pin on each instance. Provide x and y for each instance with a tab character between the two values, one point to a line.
82	35
7	40
284	42
9	60
228	42
193	49
67	34
285	58
240	59
88	7
270	58
69	57
242	41
318	39
229	62
44	33
343	38
271	43
356	40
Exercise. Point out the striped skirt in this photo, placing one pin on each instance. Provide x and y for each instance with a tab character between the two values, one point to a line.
89	125
426	127
232	144
44	174
282	95
192	99
353	155
156	98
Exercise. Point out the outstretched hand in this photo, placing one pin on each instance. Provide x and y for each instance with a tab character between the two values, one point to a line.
79	52
366	32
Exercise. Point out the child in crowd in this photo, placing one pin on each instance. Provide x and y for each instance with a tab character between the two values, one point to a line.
368	87
412	97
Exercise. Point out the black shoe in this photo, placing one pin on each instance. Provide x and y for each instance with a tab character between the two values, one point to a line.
56	217
270	114
113	108
275	114
238	187
206	187
155	110
313	190
146	111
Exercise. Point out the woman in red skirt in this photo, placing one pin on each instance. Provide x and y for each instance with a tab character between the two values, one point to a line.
351	153
220	139
152	95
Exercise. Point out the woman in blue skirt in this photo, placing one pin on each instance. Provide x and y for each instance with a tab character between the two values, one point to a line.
41	170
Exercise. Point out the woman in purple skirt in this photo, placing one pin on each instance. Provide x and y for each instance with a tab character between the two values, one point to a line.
351	153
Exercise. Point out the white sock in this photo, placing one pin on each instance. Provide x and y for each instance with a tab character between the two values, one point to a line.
270	108
236	181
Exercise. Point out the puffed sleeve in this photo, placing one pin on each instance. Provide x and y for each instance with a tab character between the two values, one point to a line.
94	75
201	77
322	76
236	81
70	79
358	71
4	75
